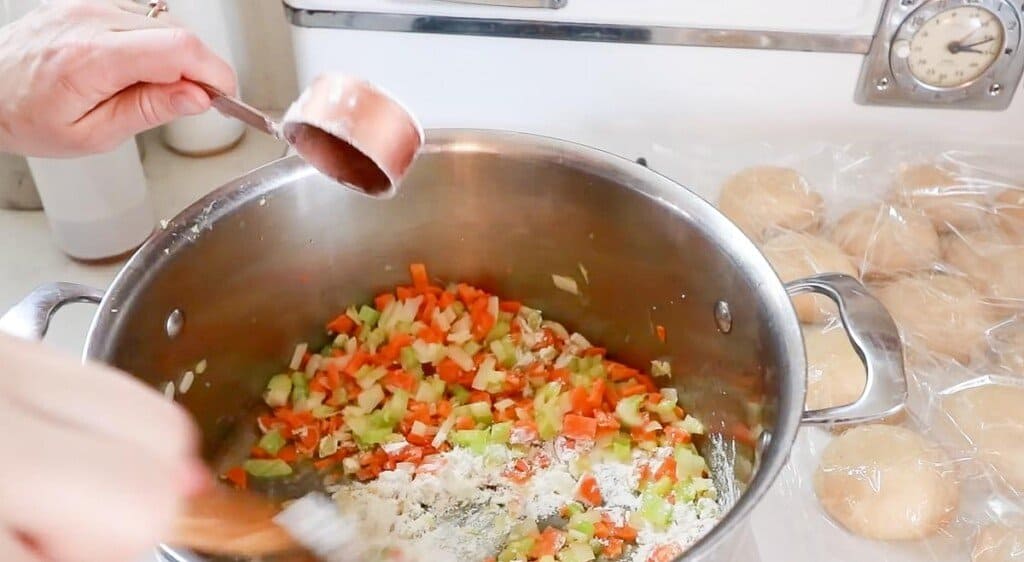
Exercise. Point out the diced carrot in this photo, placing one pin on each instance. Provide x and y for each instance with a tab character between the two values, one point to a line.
324	464
548	543
482	323
465	422
626	533
467	294
430	335
445	300
390	352
238	477
618	372
662	334
606	420
405	293
742	433
631	389
427	308
614	548
560	375
257	452
579	427
399	380
382	300
449	370
359	359
479	396
666	470
444	409
341	325
596	396
665	553
319	384
579	401
310	441
333	375
653	399
602	530
288	454
639	434
418	271
594	351
510	306
588	491
678	435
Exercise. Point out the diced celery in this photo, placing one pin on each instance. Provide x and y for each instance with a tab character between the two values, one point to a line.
313	400
692	425
407	357
481	412
340	341
517	549
396	406
458	307
370	398
321	412
279	388
328	446
689	463
505	351
547	558
300	387
267	468
573	365
272	442
471	347
661	488
661	368
622	448
486	376
501	329
576	552
655	510
473	439
532	317
628	410
586	528
339	397
326	350
367	375
549	421
352	313
430	390
428	352
375	338
500	432
370	429
369	316
692	488
459	393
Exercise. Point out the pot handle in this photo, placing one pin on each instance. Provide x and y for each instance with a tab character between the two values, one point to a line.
30	318
876	340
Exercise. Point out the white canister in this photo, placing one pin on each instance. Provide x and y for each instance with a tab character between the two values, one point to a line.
209	133
98	206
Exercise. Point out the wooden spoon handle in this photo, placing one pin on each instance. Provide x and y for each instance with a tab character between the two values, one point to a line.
223	521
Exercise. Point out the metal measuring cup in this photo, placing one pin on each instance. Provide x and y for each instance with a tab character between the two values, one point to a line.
348	129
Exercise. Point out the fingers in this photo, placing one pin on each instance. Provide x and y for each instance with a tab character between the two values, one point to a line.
139	108
13	549
84	497
159	55
94	399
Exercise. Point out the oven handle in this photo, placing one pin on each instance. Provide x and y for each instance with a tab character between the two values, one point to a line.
30	318
876	340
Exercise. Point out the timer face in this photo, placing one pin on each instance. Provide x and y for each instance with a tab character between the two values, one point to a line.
954	47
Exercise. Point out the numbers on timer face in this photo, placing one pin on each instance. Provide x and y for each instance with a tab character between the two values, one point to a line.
954	47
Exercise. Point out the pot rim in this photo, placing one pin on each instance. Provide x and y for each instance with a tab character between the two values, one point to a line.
773	451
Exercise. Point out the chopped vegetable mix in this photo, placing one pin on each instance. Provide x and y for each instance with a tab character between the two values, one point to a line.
425	369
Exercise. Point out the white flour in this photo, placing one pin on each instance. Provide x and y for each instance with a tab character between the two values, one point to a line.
466	510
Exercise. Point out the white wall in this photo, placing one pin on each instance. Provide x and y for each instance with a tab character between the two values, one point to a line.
266	66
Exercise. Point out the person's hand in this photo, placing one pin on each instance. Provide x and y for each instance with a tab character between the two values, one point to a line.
82	76
93	464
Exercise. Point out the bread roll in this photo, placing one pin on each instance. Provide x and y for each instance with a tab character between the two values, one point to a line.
999	543
765	198
1009	209
949	202
835	373
945	314
795	255
992	259
886	482
991	420
884	240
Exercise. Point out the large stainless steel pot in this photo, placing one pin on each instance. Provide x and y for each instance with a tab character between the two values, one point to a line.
260	264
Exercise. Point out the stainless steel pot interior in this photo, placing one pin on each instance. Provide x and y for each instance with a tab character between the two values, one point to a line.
264	262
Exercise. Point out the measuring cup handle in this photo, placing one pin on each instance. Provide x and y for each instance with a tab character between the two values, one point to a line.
876	340
233	107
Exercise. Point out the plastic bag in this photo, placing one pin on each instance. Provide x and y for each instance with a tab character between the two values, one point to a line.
937	232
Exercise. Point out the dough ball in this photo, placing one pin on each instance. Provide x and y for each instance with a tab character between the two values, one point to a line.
886	482
1007	342
885	240
765	198
992	259
944	314
999	543
1009	209
949	202
795	255
835	374
991	419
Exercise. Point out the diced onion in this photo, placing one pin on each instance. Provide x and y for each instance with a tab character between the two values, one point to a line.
484	374
186	382
563	360
661	368
460	337
670	394
556	328
579	341
567	284
463	324
419	429
395	447
460	357
492	306
442	432
312	365
201	367
169	391
548	354
583	271
441	320
300	351
370	398
504	404
652	426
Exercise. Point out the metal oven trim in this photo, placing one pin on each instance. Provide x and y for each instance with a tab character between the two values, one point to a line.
573	31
